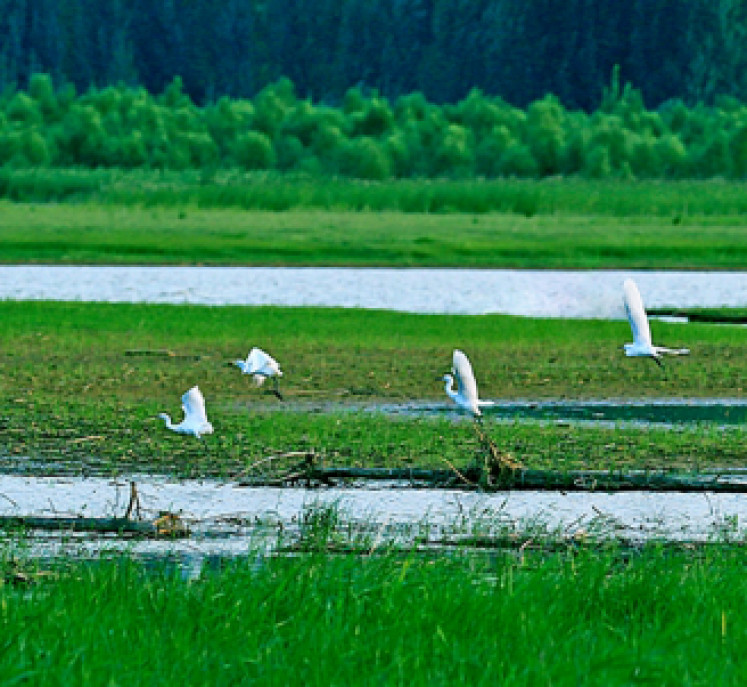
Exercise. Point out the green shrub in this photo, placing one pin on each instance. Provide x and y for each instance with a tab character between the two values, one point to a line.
364	158
738	145
290	152
42	91
455	152
132	150
712	157
271	106
517	160
671	156
545	133
22	109
400	155
490	150
374	119
597	164
609	132
254	150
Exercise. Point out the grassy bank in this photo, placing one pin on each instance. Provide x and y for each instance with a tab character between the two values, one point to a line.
84	382
571	618
148	217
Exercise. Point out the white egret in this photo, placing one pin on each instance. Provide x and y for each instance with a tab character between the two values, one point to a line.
642	346
195	419
466	394
261	365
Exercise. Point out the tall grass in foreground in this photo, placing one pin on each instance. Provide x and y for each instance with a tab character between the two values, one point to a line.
573	618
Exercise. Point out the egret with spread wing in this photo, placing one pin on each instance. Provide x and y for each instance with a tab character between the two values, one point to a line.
466	394
642	346
261	365
195	420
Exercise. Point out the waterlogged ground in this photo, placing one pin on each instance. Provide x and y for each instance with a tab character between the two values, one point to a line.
84	383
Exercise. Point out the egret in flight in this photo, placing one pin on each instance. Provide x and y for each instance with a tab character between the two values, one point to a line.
466	394
195	419
642	346
261	365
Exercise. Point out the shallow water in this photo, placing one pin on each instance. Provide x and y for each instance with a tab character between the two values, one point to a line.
667	411
227	520
533	293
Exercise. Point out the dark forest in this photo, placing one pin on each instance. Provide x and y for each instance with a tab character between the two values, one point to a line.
693	50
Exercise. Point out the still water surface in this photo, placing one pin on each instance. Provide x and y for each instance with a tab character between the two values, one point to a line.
533	293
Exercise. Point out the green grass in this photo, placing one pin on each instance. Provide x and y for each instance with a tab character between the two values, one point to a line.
571	618
674	200
74	393
114	217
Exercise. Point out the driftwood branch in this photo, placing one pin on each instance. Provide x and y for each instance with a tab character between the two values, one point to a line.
306	455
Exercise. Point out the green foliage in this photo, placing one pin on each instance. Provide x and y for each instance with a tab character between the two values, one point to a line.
254	151
364	158
368	137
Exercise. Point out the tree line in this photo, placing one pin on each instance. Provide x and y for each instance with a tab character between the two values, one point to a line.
371	137
520	50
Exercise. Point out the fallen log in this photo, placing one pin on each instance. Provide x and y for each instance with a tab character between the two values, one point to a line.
161	527
523	479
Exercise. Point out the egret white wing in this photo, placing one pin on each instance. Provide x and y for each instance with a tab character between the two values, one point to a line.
193	404
636	313
260	362
464	376
257	359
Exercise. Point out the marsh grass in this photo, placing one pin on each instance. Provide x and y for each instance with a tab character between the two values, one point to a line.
675	200
155	218
575	617
75	396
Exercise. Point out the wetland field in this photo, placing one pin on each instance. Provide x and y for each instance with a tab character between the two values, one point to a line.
86	381
82	385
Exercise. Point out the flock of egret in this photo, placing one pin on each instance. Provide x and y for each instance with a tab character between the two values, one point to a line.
261	365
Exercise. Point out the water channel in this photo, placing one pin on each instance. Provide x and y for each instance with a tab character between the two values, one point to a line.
228	520
533	293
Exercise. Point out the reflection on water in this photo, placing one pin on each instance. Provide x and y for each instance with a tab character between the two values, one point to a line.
534	293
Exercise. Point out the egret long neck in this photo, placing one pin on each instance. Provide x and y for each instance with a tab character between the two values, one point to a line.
449	388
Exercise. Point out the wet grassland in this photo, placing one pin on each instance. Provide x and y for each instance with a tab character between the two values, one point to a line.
76	216
83	384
